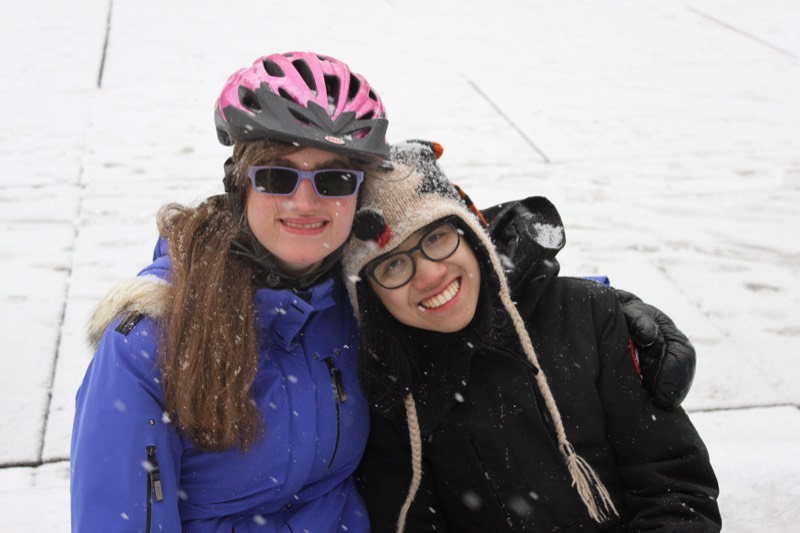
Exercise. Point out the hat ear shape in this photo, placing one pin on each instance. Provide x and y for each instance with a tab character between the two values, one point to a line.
435	147
369	225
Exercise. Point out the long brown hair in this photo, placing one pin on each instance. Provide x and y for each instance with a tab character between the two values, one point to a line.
208	348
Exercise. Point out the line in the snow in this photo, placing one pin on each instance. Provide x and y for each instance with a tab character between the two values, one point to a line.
34	464
51	379
743	407
67	289
510	122
742	32
105	44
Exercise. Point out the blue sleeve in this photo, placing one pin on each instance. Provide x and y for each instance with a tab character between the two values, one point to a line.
119	434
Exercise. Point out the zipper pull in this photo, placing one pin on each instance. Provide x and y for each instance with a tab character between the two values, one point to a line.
154	474
338	382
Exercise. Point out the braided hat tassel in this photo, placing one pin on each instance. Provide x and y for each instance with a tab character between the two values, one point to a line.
416	460
590	488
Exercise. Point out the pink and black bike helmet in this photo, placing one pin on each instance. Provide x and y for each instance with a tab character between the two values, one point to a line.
306	98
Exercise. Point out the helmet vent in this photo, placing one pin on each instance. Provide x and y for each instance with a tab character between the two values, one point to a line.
355	85
273	69
285	94
332	87
375	101
300	118
306	74
360	134
367	116
248	99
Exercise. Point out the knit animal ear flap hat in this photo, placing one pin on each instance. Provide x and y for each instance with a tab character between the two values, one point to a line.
400	196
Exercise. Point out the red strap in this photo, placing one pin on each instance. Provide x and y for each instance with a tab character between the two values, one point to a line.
635	357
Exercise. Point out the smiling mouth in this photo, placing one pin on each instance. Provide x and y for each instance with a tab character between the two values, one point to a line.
443	297
295	225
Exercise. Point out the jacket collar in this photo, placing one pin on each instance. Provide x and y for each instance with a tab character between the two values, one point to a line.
443	374
282	313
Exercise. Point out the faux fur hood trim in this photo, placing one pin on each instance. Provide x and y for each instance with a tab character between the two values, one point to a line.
144	294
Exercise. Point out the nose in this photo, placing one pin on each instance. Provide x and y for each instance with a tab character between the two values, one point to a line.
428	273
305	197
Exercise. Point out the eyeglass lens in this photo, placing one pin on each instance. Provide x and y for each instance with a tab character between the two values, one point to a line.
436	245
285	181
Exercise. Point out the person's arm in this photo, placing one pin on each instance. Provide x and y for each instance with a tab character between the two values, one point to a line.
527	231
667	358
384	478
668	479
125	457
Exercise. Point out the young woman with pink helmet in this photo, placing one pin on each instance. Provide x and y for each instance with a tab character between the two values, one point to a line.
223	393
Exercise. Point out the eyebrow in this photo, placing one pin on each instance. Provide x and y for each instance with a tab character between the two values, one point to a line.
329	163
412	240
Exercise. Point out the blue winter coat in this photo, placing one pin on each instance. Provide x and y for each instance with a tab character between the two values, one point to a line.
133	472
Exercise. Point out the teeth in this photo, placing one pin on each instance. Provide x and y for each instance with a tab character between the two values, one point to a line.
303	226
443	297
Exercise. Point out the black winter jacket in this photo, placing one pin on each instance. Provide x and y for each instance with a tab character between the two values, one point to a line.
490	460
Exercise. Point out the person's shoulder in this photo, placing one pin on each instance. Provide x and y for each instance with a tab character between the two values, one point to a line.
131	335
125	323
146	295
578	285
590	291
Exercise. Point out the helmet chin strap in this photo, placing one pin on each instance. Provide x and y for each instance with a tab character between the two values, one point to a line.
234	194
273	276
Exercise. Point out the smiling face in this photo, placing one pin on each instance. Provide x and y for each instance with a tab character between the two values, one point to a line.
303	228
442	296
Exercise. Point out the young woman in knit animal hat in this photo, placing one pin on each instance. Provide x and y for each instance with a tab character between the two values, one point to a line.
503	400
223	395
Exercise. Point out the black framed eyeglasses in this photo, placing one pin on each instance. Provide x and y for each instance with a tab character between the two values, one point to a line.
395	270
284	181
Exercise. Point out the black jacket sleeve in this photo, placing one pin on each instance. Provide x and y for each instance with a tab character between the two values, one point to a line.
384	478
529	233
668	479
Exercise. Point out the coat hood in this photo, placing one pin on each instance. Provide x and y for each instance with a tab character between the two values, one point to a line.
145	294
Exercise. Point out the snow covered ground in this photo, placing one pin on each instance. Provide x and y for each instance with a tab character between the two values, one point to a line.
667	133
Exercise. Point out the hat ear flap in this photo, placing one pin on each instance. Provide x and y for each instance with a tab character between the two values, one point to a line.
370	225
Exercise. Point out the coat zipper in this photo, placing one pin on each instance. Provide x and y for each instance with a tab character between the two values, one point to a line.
340	395
154	488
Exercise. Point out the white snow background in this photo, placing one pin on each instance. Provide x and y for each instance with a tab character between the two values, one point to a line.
667	133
